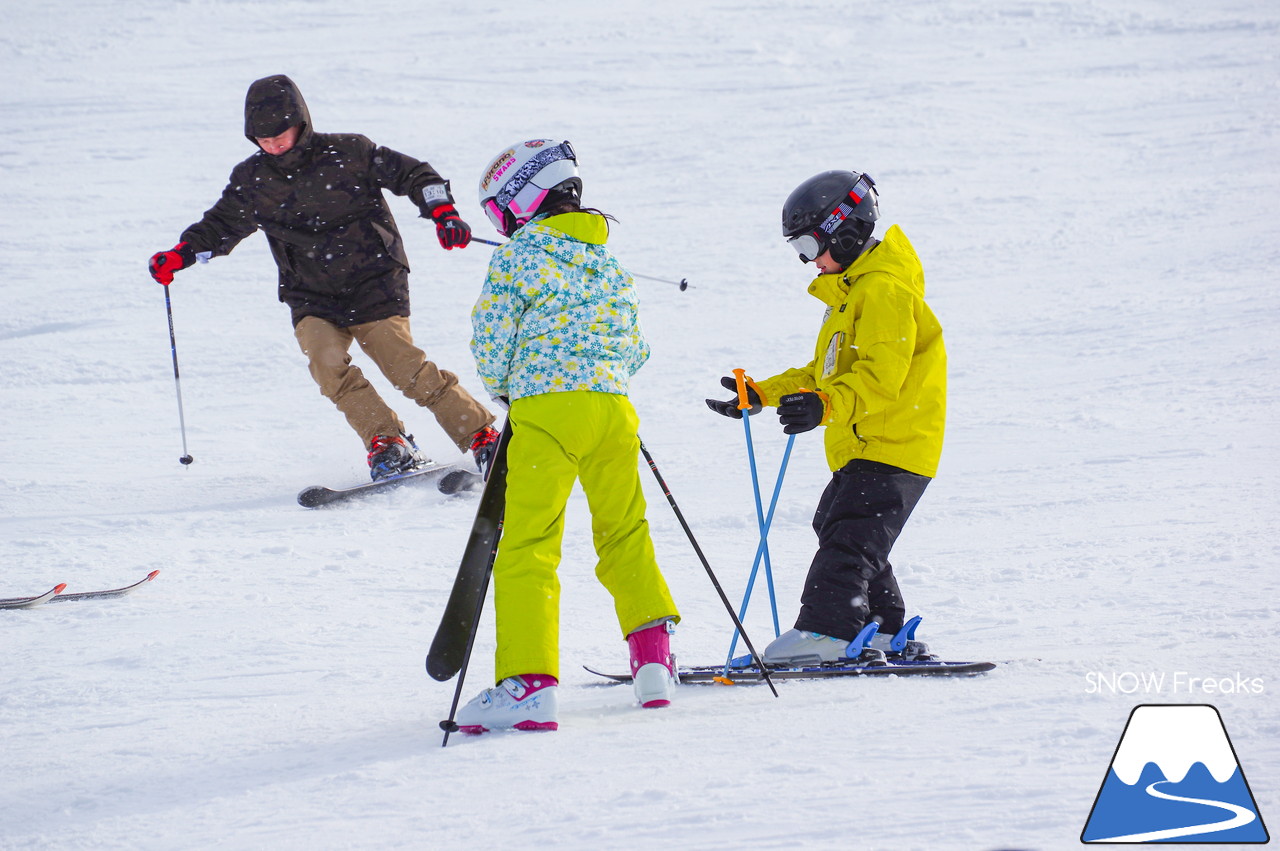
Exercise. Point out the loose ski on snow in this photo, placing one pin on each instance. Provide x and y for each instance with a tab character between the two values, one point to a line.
751	673
449	478
450	645
28	602
98	595
55	594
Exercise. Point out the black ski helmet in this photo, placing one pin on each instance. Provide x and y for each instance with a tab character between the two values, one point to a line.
834	210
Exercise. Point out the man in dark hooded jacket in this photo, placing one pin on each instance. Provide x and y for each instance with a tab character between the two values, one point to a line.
343	269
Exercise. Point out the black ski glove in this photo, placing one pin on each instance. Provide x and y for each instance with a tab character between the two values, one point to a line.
801	412
730	408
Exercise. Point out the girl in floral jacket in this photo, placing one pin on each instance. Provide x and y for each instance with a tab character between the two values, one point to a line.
556	335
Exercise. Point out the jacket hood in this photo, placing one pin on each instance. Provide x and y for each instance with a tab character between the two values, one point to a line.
894	255
272	106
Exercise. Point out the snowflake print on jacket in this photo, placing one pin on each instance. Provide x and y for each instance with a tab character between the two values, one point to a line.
567	321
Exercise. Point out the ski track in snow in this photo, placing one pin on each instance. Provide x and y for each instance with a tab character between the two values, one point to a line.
1093	191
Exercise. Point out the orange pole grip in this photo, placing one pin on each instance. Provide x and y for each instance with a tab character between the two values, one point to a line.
740	375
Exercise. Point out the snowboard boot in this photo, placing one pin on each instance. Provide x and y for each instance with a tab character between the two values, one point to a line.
483	447
526	702
653	668
389	456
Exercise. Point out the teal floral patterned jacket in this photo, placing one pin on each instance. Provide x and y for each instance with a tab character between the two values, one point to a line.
557	313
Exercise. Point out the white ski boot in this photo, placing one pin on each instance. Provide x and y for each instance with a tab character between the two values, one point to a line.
526	702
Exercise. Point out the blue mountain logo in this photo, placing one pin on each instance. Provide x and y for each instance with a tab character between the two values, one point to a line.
1175	778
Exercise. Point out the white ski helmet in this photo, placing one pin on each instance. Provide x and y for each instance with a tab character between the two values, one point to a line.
518	180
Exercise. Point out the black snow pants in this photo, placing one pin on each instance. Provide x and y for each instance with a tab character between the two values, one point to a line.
859	518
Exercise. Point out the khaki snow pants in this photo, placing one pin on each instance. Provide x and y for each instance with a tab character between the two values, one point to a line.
389	345
557	439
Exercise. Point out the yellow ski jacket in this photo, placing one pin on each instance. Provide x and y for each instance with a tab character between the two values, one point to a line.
879	359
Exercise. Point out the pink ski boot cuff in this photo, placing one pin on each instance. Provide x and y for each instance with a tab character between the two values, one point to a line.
651	647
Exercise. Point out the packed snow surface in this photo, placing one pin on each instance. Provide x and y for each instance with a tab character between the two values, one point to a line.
1094	189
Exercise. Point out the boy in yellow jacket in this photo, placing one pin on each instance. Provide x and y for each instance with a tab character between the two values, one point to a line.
878	384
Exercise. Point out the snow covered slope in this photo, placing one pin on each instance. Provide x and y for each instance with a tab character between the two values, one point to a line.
1094	189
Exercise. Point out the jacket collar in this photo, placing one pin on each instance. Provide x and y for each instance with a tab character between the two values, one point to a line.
833	289
584	227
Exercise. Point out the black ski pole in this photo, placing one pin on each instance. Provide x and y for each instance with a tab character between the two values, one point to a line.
449	725
177	382
683	283
716	582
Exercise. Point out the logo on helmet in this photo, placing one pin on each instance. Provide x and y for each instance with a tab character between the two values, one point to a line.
535	143
499	167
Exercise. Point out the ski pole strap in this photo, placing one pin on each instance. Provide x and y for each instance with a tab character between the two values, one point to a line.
740	376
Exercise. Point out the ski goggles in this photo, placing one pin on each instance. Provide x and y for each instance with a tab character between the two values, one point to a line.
807	246
811	245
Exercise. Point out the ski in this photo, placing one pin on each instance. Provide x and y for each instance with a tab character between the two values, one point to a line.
55	595
28	602
449	479
99	595
452	641
751	673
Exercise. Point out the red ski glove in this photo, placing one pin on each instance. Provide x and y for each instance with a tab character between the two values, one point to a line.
451	230
164	263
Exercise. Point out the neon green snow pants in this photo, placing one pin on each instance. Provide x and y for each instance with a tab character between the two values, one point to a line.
557	438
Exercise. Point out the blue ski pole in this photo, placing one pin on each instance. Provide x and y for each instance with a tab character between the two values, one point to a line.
744	405
762	550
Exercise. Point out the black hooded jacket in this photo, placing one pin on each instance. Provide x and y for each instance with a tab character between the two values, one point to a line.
321	206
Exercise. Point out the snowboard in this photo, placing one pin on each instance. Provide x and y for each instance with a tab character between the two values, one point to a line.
448	478
825	670
452	642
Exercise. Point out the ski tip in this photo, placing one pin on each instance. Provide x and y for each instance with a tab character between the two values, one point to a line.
58	589
439	668
459	481
725	681
152	575
440	674
311	497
